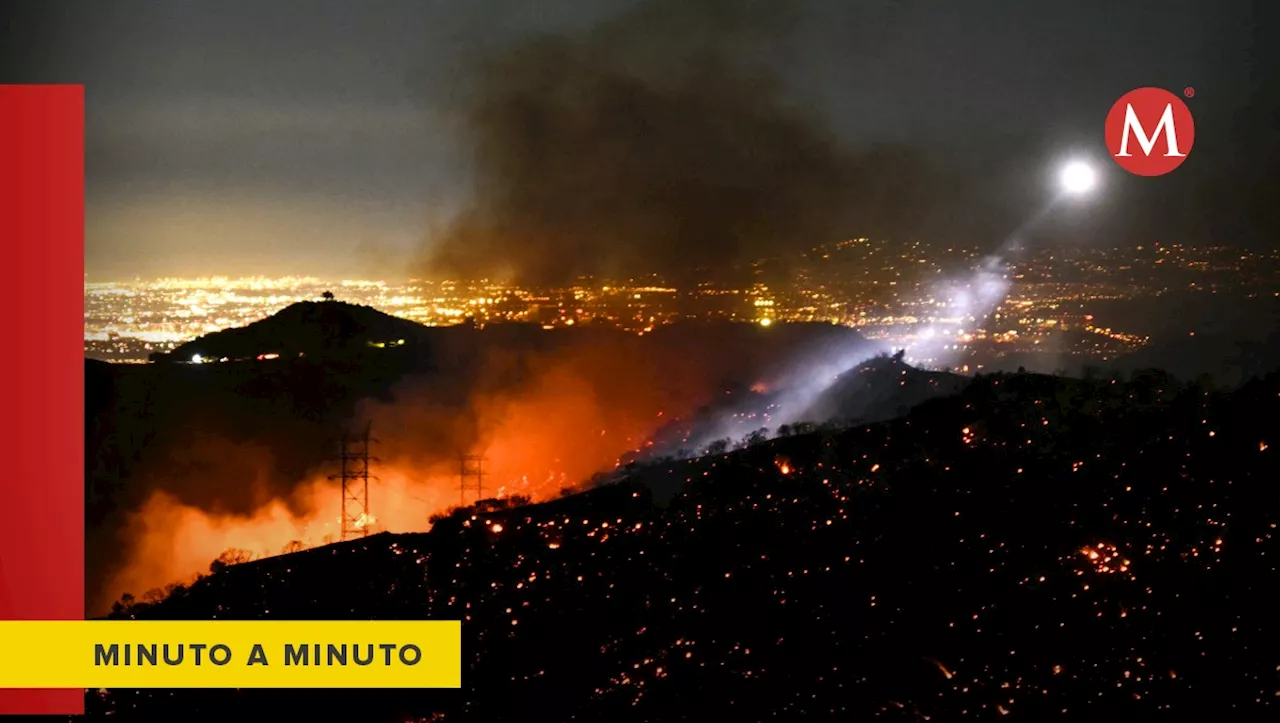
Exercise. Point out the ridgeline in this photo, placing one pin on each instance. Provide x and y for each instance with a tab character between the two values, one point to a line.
1032	546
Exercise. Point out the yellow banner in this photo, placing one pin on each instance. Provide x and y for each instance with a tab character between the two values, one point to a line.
230	654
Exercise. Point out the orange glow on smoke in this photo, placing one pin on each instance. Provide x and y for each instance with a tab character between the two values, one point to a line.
572	418
173	542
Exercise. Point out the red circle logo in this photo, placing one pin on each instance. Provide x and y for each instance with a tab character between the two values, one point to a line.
1150	131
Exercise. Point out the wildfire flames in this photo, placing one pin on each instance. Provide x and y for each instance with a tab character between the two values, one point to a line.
173	542
556	432
547	414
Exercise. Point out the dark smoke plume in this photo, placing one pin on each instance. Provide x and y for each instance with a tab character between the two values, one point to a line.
661	141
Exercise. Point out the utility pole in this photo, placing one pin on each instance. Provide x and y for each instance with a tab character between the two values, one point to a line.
354	459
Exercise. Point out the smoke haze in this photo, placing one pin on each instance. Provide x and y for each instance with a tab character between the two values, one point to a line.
660	141
186	463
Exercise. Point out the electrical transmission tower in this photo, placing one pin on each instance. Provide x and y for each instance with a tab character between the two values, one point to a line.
354	458
470	477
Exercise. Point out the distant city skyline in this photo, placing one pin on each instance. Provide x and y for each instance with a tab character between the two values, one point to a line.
1080	304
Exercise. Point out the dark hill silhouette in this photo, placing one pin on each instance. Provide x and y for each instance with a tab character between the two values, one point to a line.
306	327
1082	550
881	388
1225	357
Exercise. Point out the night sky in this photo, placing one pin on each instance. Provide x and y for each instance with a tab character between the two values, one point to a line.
330	137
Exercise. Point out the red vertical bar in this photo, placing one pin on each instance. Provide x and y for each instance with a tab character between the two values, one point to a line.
42	367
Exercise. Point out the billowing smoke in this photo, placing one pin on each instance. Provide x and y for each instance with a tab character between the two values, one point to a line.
186	463
661	141
784	397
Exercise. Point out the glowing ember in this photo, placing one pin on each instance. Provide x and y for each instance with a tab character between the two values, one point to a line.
1106	559
942	668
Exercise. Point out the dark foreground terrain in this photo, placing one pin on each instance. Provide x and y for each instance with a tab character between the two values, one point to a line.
1031	548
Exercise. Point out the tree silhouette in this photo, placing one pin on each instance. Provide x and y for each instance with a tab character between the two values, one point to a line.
327	296
228	558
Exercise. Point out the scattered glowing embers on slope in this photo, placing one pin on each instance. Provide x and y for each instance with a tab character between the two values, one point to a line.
1105	559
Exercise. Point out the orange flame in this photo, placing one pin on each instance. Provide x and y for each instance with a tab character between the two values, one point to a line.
570	421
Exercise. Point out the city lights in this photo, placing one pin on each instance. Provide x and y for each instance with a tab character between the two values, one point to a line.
942	317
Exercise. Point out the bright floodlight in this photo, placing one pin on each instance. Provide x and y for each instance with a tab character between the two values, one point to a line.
1078	177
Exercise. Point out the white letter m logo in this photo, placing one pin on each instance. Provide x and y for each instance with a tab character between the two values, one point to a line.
1166	125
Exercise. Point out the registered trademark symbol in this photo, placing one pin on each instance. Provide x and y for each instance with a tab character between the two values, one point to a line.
1189	92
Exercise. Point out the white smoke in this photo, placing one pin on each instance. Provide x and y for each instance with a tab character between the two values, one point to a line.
796	392
962	305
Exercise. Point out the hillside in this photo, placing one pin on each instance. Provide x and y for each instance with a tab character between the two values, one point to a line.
878	388
882	388
226	438
1226	358
305	327
1029	548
